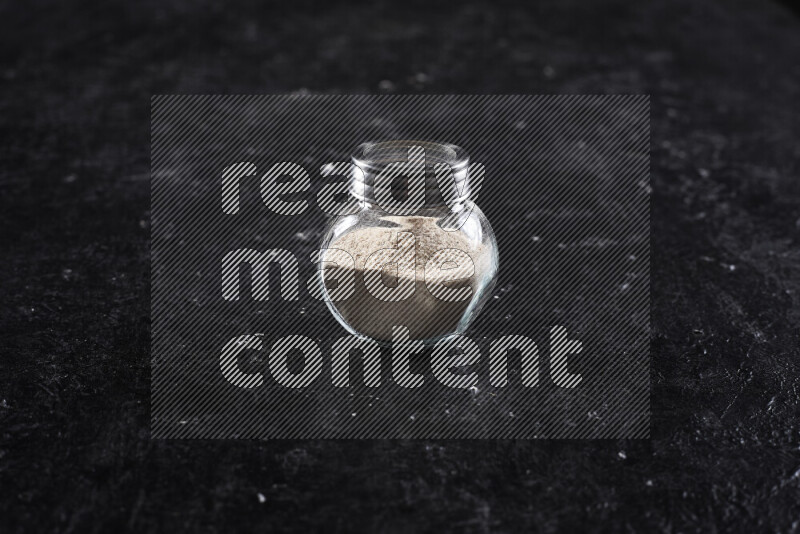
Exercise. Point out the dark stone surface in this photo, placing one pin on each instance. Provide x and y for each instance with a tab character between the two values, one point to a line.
75	453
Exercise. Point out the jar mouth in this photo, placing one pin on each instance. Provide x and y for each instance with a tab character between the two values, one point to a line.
374	155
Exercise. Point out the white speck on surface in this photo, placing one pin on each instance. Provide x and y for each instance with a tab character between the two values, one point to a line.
261	498
386	86
622	455
474	390
771	404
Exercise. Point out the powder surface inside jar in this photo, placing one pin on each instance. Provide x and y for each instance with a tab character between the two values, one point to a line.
425	315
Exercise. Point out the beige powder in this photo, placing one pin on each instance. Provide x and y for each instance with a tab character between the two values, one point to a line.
423	314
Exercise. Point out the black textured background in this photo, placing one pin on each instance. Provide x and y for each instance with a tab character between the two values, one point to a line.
76	79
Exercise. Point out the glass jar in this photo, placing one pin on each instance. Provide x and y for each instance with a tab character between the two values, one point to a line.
428	263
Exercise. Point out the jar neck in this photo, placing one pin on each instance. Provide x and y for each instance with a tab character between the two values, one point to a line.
410	175
426	210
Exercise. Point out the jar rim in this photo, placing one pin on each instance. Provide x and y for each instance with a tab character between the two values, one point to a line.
372	155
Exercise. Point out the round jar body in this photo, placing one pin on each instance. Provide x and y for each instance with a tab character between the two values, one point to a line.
433	285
